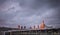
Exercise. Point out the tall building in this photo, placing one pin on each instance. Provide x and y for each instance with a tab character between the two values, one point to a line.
38	26
34	27
24	27
18	26
30	27
21	27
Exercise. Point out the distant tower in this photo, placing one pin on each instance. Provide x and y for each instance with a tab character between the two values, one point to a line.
42	25
30	27
18	26
21	27
34	26
38	26
24	27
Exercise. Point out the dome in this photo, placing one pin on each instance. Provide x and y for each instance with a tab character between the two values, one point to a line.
42	25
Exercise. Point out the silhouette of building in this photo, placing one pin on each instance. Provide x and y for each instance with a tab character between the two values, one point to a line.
24	27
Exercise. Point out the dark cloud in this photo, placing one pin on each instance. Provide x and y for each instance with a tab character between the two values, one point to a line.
29	12
2	1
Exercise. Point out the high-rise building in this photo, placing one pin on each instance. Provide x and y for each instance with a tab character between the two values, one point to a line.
34	27
21	27
18	26
30	27
24	27
38	26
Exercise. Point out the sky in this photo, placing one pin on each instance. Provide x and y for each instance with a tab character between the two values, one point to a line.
29	12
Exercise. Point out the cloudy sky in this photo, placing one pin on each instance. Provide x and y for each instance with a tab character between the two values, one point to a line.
29	12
